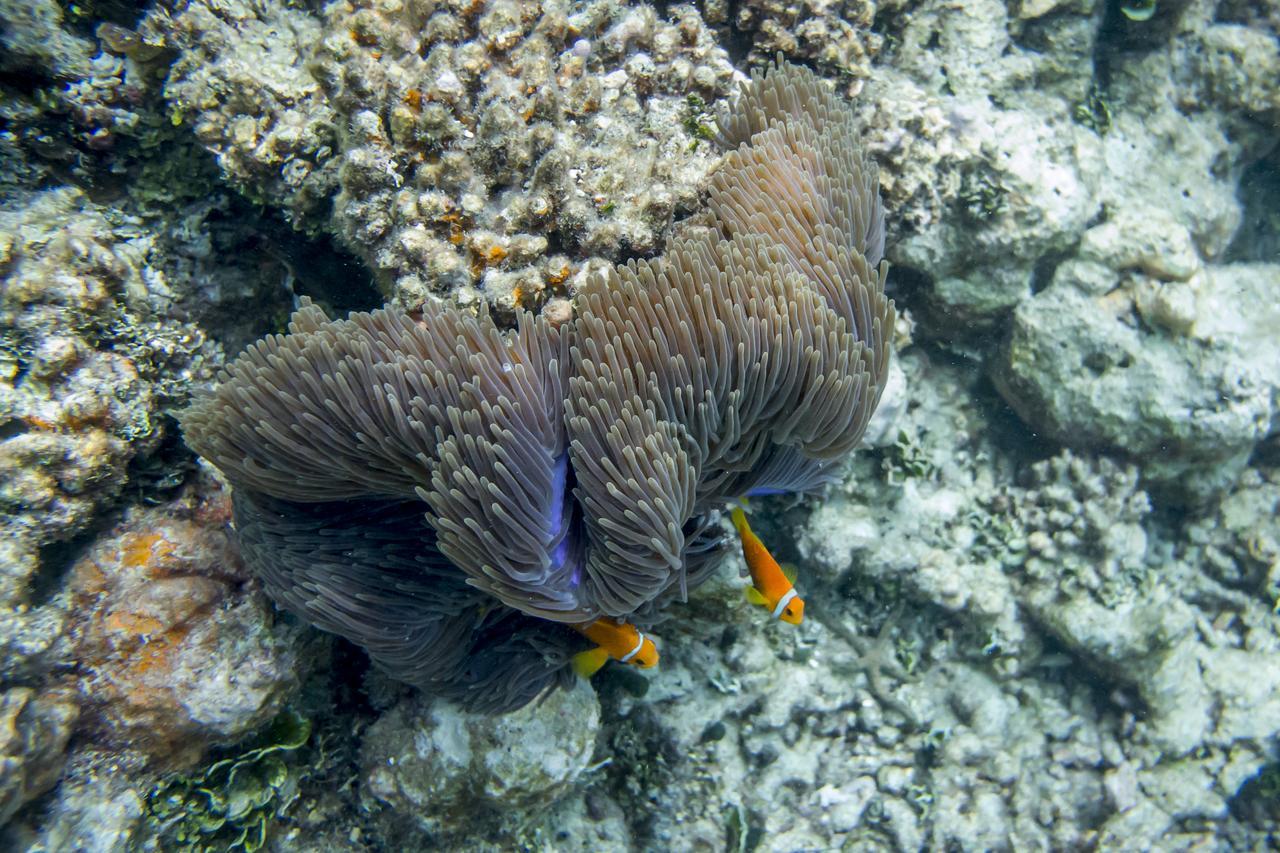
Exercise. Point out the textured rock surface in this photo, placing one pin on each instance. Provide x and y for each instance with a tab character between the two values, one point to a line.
473	149
835	36
87	370
177	652
1177	373
446	774
34	729
96	809
241	82
1036	150
1069	591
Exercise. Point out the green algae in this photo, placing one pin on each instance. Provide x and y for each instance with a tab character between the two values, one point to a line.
231	804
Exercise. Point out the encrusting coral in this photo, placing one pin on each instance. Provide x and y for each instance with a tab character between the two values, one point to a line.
451	496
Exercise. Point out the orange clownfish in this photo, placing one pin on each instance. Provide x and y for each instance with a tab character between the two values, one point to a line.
618	640
771	586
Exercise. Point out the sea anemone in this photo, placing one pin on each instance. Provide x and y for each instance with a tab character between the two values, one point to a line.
450	496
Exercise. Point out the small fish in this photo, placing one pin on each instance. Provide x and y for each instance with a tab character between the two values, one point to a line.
771	586
618	640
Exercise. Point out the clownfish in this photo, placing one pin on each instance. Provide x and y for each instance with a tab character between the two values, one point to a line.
618	640
771	585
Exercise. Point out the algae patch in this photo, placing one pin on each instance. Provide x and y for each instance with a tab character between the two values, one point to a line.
232	803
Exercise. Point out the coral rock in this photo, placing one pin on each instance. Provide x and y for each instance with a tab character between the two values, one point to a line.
34	729
179	651
442	771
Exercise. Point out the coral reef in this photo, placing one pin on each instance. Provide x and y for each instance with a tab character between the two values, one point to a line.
170	651
165	650
240	82
1038	568
89	371
1040	600
457	148
1058	163
84	108
835	36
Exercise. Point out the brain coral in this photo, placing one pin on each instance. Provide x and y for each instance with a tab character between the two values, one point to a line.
454	497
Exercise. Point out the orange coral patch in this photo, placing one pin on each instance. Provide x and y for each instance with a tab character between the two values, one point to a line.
141	549
559	277
133	623
39	423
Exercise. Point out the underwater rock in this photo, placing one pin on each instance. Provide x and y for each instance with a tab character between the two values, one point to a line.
445	773
1179	375
1122	632
1002	144
33	35
968	119
84	109
34	730
94	811
87	371
178	652
1241	537
1235	70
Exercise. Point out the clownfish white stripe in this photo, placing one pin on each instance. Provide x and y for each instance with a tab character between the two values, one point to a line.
782	603
639	645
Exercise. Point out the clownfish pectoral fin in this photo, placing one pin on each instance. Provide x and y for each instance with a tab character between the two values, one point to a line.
789	572
754	596
588	663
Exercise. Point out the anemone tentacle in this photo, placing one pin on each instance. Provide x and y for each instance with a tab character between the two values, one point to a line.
450	495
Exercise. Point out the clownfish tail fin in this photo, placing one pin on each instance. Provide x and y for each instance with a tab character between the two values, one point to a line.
588	663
